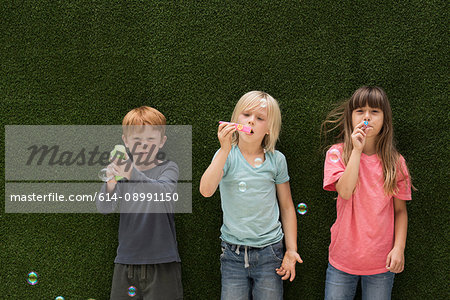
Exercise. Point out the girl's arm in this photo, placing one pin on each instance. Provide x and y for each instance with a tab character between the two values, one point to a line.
212	176
347	183
395	261
289	223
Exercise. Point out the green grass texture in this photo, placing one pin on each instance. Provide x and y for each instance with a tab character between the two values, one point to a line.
90	62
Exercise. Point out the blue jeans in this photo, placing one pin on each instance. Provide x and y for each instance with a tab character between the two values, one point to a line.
341	285
254	276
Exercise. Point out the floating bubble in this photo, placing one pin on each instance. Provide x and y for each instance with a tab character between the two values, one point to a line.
334	155
302	208
59	298
131	291
242	186
32	278
263	102
258	162
103	175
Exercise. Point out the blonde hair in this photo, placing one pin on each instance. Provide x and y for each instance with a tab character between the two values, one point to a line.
143	115
251	101
341	118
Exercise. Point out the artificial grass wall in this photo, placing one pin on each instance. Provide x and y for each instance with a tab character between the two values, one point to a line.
90	62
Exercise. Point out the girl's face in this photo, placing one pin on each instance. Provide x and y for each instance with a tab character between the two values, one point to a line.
374	116
257	120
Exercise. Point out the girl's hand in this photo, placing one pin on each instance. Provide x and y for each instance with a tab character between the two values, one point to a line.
359	136
395	261
225	133
287	268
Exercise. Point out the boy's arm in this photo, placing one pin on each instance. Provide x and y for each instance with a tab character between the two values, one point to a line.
212	176
143	194
289	223
395	261
107	201
165	183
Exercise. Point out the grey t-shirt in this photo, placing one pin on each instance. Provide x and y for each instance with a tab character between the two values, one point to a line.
145	238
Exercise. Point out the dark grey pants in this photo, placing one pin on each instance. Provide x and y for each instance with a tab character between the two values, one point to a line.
147	282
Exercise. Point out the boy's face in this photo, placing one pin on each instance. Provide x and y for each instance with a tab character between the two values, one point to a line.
144	144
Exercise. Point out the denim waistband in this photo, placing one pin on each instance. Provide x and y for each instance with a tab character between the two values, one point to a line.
236	249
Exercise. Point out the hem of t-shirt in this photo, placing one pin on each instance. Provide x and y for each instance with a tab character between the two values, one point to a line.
331	187
282	181
403	197
330	184
356	272
162	260
254	246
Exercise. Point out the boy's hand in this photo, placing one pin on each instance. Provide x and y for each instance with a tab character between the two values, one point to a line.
121	167
395	261
287	268
110	184
225	133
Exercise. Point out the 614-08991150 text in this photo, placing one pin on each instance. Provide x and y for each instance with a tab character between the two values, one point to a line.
155	197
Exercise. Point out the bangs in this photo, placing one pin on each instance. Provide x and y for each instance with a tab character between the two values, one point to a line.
144	115
373	96
253	102
129	130
136	120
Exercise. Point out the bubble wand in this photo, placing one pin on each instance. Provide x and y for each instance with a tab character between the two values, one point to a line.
239	127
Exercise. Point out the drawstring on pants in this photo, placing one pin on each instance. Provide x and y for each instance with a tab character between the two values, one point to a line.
130	271
246	264
143	271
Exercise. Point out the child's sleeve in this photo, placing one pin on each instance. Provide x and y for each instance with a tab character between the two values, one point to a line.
151	195
403	181
105	204
165	183
282	170
333	169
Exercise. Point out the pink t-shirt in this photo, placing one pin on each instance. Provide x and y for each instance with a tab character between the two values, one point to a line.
363	234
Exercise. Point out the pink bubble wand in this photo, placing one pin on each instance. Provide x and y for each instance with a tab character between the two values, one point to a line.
239	127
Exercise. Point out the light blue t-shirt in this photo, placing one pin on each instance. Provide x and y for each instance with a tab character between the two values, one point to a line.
249	201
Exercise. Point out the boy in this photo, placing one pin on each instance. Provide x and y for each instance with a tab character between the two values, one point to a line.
147	260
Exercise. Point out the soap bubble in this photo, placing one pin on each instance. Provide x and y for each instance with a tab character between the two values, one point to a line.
334	155
302	208
32	278
242	186
102	174
131	291
263	102
59	298
258	162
